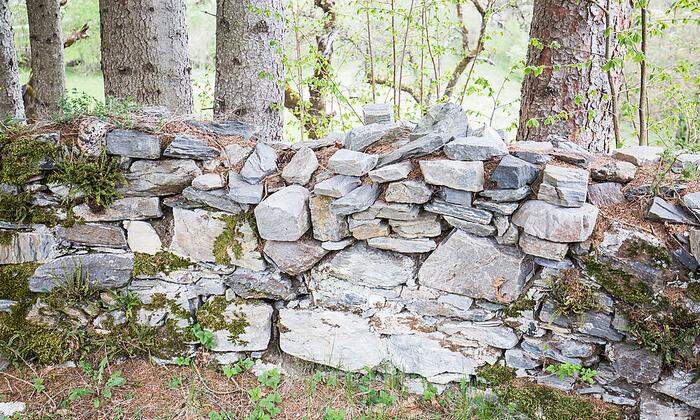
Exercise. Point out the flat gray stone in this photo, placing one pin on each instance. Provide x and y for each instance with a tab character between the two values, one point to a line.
424	226
266	284
337	245
86	234
159	178
362	137
142	237
635	364
389	173
465	176
662	210
133	144
189	147
235	154
337	186
348	162
477	229
537	247
296	257
447	118
681	386
403	245
327	226
395	211
639	155
28	247
518	359
209	181
452	196
423	146
6	306
504	209
566	187
225	128
613	171
488	333
475	148
554	223
605	194
241	191
476	267
655	406
378	113
101	271
366	229
412	192
692	202
260	164
255	335
469	214
129	208
507	195
301	167
535	152
357	200
284	215
217	199
513	172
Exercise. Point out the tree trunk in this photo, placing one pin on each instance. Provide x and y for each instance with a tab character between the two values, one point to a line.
48	80
570	99
11	106
249	72
144	52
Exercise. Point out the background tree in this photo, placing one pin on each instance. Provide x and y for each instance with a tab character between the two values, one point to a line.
11	105
144	52
249	82
566	90
48	72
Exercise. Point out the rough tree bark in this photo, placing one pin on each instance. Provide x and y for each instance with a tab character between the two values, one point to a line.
578	94
144	52
249	82
48	71
11	105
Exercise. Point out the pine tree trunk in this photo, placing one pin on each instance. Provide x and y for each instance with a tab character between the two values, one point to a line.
144	52
11	105
577	96
249	71
48	81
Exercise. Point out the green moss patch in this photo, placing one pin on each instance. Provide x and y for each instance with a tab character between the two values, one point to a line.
657	256
571	295
211	316
19	208
693	292
20	159
516	308
162	262
230	238
619	284
6	237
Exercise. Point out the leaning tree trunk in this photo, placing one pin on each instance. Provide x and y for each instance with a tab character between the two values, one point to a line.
569	100
144	52
249	73
11	106
48	72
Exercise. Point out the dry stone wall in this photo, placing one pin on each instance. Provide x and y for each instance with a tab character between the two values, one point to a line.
434	247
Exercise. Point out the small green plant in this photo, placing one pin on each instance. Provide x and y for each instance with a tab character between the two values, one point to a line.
205	337
79	104
73	286
689	172
21	159
571	370
162	262
97	178
270	379
266	402
429	390
38	384
238	368
19	208
100	388
182	361
175	382
334	414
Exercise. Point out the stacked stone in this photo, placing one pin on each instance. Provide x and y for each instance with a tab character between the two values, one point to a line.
420	249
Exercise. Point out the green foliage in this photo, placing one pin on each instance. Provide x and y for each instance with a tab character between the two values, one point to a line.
238	368
21	159
571	295
230	238
212	316
204	337
19	208
570	370
72	287
334	414
99	388
162	262
6	237
693	291
96	178
79	104
266	401
619	284
515	308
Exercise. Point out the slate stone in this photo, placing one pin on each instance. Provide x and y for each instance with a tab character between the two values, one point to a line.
535	152
635	364
389	173
284	215
599	325
395	211
681	386
159	178
507	195
240	191
337	245
488	333
476	267
423	146
605	194
475	148
639	155
266	284
378	113
217	199
366	229
357	200
337	186
477	229
235	154
613	171
452	196
362	137
107	236
301	167
133	144
554	223
504	209
129	208
424	226
662	210
537	247
260	164
296	257
512	172
142	237
208	182
226	128
348	162
331	139
509	237
327	226
6	306
655	406
692	202
101	271
566	187
469	214
256	333
412	192
446	118
518	359
189	147
403	245
465	176
28	247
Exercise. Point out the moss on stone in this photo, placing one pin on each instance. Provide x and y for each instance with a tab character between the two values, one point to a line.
619	284
20	159
160	301
693	292
6	237
515	308
230	238
658	255
14	285
162	262
571	295
212	316
19	208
